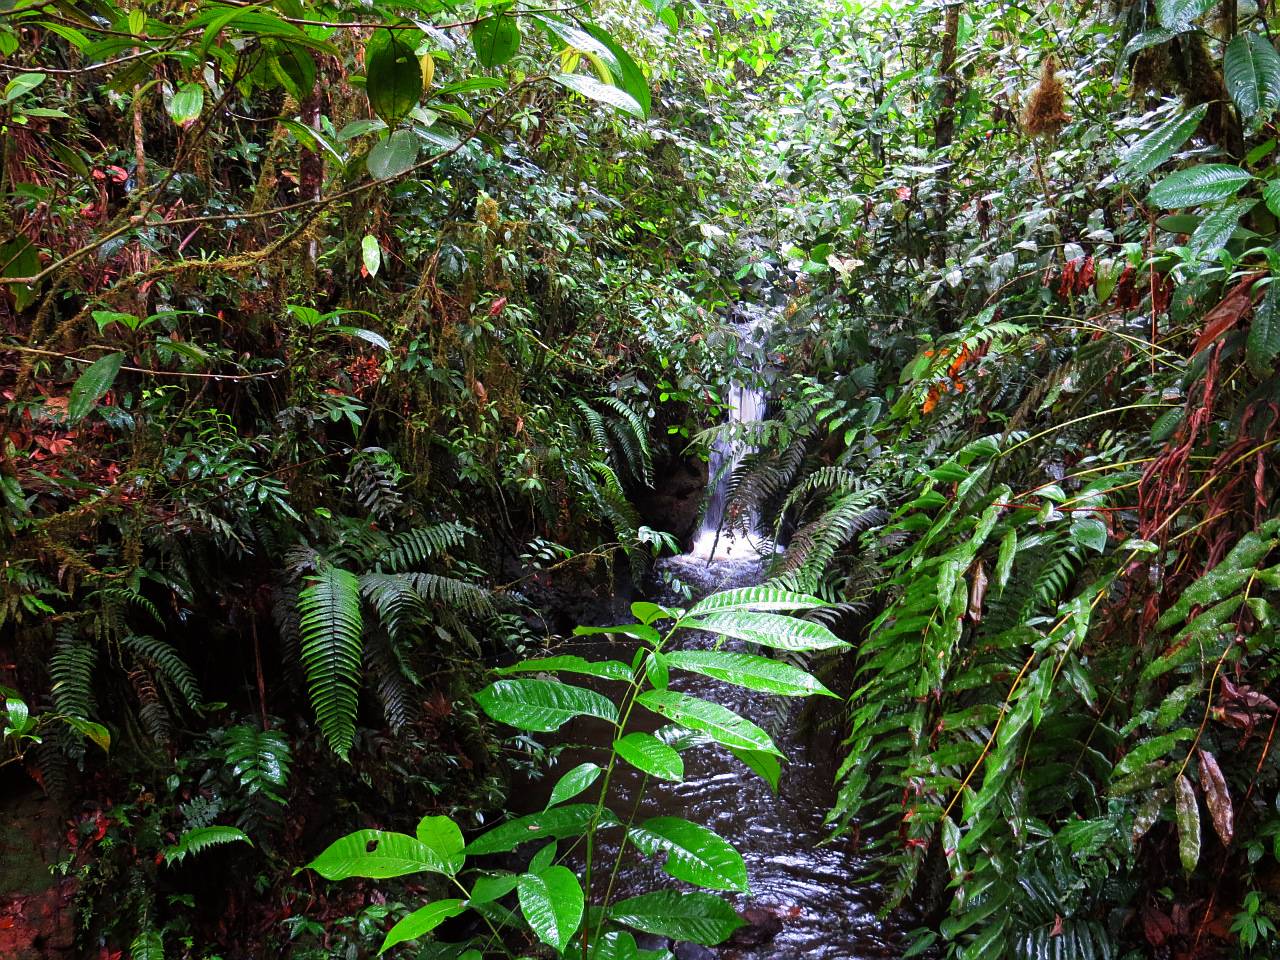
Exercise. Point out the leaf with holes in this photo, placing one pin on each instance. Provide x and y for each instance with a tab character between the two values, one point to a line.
1203	183
552	903
694	854
92	385
423	920
750	671
542	705
719	723
380	855
393	79
698	917
647	753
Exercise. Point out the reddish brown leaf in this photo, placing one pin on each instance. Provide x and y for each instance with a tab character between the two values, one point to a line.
1156	926
1216	796
1227	313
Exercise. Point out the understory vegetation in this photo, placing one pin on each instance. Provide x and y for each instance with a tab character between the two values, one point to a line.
355	354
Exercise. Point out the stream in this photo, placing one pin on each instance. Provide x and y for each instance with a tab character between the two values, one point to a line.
807	897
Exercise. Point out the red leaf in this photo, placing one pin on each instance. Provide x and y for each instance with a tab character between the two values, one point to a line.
1227	313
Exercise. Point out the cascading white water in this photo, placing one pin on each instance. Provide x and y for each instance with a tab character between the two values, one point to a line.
721	537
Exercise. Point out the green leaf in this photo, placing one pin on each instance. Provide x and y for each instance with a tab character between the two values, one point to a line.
750	671
423	920
201	838
91	385
608	669
495	40
1148	38
186	103
754	598
393	76
371	254
628	76
542	705
764	764
574	782
443	836
94	731
647	753
1251	69
1188	816
699	917
393	156
1263	343
331	622
555	824
1147	751
601	92
21	85
719	723
380	855
1180	15
490	887
1203	183
694	854
1160	144
1216	229
552	903
769	630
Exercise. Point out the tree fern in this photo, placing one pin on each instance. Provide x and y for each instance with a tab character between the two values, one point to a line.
331	625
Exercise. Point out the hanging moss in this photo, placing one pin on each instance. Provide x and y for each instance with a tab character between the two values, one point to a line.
1043	113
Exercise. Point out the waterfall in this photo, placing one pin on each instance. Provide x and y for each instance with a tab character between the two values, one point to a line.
717	540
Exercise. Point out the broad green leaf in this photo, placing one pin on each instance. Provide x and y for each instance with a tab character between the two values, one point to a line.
574	782
1147	751
1188	815
647	753
1180	15
371	254
1251	69
490	887
750	671
1160	144
552	903
1271	196
1263	343
698	917
91	385
379	855
542	705
601	92
186	103
21	85
423	920
393	76
1148	38
1004	560
393	156
443	836
555	824
292	67
638	631
608	669
1216	229
719	723
764	764
1203	183
94	731
495	40
694	854
768	630
615	945
628	74
754	598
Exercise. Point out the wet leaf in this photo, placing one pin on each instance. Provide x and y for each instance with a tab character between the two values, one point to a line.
1188	812
1216	796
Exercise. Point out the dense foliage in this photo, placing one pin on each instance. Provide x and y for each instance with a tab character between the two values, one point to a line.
338	337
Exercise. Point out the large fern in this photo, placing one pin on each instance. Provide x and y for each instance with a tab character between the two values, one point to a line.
331	624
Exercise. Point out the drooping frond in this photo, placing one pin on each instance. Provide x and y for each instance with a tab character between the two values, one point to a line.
165	662
633	439
71	668
200	839
414	547
392	687
331	625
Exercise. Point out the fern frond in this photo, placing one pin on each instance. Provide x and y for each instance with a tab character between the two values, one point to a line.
389	682
71	669
259	760
200	839
414	547
164	660
331	624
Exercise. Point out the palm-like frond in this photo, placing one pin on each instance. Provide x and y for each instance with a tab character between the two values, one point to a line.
332	624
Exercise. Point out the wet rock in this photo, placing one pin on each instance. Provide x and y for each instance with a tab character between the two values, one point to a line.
694	951
673	503
37	916
763	924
